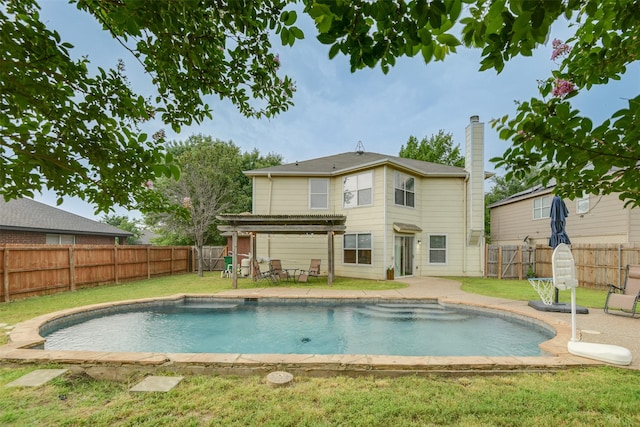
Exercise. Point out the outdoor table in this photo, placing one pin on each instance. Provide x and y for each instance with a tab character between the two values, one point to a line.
287	270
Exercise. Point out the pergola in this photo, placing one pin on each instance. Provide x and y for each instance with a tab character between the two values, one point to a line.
281	224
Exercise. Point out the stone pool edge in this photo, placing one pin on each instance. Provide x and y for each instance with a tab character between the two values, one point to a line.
26	335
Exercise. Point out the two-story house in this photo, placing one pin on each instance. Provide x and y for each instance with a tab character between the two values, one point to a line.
421	218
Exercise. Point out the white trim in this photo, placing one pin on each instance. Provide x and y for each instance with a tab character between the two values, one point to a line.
357	233
583	204
311	193
542	207
372	188
403	176
446	249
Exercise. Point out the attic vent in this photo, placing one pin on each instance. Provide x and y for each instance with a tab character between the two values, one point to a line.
359	148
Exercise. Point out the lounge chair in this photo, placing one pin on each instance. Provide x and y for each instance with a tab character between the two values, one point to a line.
313	271
624	300
267	275
277	270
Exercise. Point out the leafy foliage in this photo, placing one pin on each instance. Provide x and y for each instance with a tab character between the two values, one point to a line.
65	129
437	149
211	182
77	133
549	132
124	223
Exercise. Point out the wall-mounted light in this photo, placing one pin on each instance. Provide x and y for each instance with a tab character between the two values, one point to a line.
419	242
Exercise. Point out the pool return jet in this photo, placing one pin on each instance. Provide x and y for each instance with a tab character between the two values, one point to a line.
564	277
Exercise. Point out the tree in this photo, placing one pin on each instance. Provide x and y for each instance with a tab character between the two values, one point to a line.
69	131
77	133
503	188
437	149
124	223
582	156
207	186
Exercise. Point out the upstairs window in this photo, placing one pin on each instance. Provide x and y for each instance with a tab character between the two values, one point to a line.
357	190
582	204
318	193
541	207
404	189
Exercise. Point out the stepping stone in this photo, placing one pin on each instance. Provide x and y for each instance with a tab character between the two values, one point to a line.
155	383
279	379
36	378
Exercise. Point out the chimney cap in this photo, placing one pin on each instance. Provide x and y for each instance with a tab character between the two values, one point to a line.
474	119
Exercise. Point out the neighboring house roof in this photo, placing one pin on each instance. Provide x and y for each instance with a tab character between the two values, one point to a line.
339	164
29	215
535	191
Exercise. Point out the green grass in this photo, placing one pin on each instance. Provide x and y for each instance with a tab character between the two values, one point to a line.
578	397
584	397
521	290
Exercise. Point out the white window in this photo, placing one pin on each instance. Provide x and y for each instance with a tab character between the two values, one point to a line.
356	248
318	193
582	204
437	249
541	207
61	239
357	190
404	189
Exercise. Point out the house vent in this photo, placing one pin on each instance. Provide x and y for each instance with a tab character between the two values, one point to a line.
359	148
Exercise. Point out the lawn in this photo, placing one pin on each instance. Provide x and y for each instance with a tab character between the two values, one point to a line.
594	396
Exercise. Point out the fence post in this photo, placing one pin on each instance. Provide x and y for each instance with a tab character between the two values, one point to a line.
6	274
148	262
486	260
520	261
72	269
115	264
499	262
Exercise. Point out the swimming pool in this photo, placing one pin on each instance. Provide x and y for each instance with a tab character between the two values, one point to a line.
296	326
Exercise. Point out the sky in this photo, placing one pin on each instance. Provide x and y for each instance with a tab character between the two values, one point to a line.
335	109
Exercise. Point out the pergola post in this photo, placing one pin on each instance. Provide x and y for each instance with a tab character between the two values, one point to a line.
330	257
234	260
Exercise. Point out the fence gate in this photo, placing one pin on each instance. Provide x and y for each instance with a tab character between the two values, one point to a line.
213	258
509	261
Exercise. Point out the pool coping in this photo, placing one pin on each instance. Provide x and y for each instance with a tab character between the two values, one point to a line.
26	335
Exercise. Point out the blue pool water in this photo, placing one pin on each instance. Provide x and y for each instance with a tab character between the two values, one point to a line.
416	329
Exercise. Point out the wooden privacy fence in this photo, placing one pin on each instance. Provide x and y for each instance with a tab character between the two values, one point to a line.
509	262
45	269
213	258
597	265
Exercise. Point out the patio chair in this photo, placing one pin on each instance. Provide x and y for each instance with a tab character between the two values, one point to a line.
267	275
313	271
624	300
277	270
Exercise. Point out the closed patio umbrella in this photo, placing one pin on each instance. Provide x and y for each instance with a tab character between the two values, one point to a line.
558	215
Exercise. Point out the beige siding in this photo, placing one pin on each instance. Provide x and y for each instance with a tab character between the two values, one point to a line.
439	209
607	221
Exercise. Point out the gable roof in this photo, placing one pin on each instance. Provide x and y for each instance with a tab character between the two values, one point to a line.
535	191
343	163
29	215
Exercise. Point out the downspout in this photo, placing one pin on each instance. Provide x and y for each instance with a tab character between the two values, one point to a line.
384	221
466	225
269	213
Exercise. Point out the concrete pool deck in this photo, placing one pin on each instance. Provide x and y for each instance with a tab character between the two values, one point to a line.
594	327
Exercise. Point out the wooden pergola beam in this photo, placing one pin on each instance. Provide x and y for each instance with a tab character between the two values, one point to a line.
283	224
